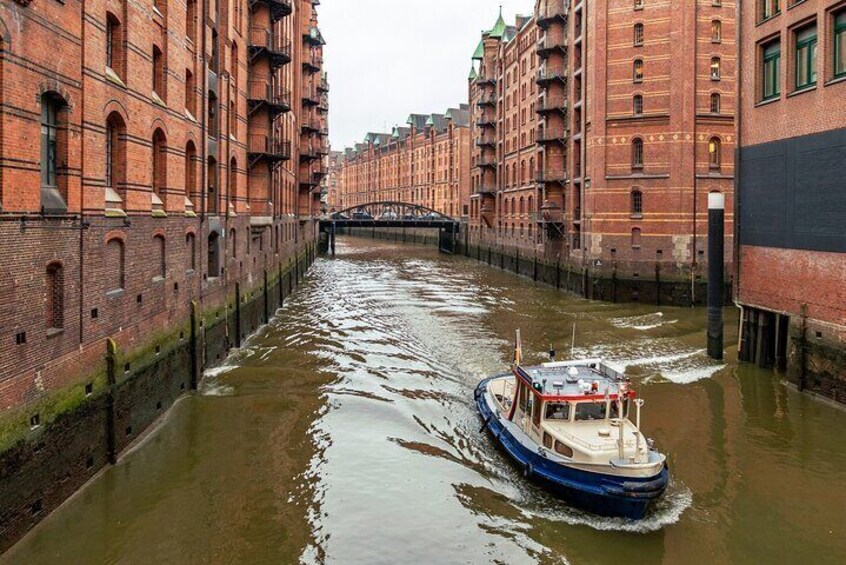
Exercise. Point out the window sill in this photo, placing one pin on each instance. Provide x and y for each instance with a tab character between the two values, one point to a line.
637	216
802	90
54	332
114	294
836	80
768	101
112	76
158	280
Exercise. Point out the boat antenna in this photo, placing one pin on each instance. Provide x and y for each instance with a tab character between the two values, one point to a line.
573	343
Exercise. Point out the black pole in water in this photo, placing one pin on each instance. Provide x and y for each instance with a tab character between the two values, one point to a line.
332	238
716	274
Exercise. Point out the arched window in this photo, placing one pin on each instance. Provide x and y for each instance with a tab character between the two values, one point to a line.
214	255
114	45
159	163
715	68
233	242
55	296
638	35
115	261
190	93
636	237
50	104
191	249
191	20
637	153
523	172
233	182
115	160
522	206
212	196
637	70
637	105
531	165
159	73
716	31
714	150
234	65
715	103
190	169
212	115
637	203
161	252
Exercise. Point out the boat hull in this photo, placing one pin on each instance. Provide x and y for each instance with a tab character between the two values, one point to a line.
599	493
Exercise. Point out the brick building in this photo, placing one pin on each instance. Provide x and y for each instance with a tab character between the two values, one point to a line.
425	162
633	126
331	184
152	156
792	162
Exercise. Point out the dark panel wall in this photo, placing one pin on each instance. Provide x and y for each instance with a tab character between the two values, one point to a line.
793	193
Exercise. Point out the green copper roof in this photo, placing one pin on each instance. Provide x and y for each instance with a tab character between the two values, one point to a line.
473	74
499	27
479	54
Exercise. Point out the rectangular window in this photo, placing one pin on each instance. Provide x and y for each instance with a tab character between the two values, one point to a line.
806	57
771	71
840	44
770	8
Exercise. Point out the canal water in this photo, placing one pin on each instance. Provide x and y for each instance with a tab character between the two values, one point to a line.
345	432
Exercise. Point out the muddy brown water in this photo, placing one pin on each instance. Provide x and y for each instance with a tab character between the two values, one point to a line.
345	432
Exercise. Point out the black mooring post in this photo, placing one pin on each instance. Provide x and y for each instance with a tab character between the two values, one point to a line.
332	238
716	275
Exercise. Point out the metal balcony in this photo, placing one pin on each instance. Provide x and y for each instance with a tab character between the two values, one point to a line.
308	154
264	147
264	44
323	150
310	97
309	180
551	105
551	135
485	123
486	141
323	85
486	190
486	81
487	99
548	75
278	8
310	126
312	36
263	94
544	176
312	63
549	45
489	162
554	12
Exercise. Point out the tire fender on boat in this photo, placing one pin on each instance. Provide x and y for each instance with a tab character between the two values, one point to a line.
528	470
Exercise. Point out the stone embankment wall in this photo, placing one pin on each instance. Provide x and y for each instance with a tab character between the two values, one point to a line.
97	421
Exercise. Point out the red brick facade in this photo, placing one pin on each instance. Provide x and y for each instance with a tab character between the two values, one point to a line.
792	132
148	161
633	126
426	163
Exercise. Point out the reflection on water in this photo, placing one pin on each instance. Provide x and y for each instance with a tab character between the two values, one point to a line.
345	432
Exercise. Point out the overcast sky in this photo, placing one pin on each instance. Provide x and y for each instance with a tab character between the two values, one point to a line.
387	59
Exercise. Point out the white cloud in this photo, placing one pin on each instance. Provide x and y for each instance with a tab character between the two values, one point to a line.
390	58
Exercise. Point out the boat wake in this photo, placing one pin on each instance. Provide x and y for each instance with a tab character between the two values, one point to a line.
643	322
666	511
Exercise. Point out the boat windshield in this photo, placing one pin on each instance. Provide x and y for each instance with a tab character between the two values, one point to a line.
558	411
590	411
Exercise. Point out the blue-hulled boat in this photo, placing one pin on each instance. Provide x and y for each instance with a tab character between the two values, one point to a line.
567	426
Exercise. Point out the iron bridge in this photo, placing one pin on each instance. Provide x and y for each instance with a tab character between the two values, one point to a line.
388	214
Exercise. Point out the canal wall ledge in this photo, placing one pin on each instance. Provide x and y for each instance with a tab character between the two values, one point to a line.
815	363
90	426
